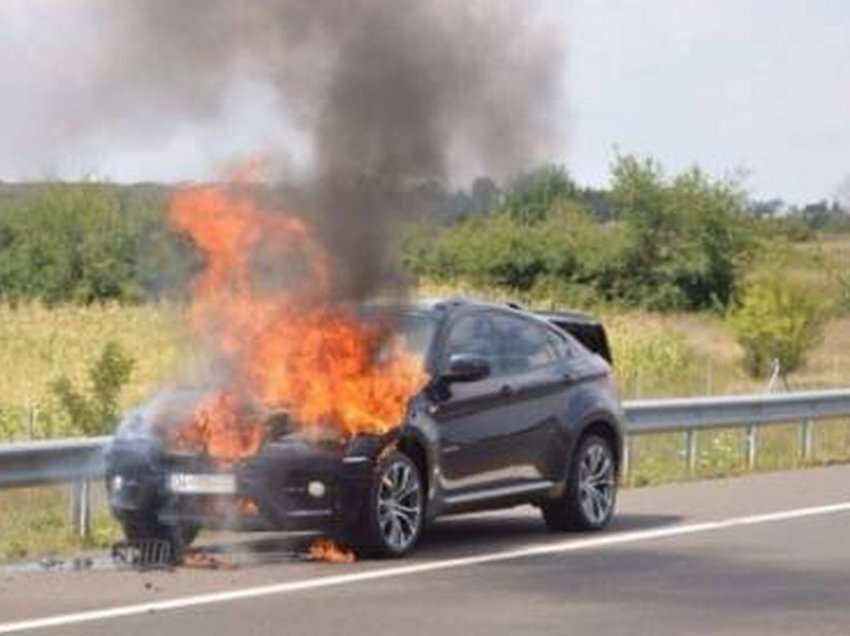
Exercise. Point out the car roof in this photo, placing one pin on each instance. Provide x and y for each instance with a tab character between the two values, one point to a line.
434	304
443	307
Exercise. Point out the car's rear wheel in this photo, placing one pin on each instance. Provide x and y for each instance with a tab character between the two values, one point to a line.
591	493
394	514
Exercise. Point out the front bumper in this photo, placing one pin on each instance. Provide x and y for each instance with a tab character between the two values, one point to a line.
272	490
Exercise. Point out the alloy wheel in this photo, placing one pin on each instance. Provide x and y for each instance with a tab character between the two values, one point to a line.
597	483
399	505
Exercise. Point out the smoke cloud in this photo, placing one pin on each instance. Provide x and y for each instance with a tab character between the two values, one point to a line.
387	94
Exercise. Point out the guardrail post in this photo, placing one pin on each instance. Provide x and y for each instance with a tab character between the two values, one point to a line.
626	464
807	440
752	446
81	508
691	450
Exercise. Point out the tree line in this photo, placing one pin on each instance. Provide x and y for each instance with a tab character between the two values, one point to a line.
652	240
88	242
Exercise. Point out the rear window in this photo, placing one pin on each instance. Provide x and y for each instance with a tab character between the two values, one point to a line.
523	345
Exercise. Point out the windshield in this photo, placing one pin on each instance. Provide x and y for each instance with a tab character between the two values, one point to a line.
415	329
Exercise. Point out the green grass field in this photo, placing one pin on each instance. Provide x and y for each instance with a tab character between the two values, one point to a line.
656	355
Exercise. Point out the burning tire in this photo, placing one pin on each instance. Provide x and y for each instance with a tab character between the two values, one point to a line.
588	503
393	518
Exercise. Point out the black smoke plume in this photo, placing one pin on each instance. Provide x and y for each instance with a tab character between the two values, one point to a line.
389	93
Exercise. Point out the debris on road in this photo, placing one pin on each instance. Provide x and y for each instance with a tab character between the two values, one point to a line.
143	555
197	558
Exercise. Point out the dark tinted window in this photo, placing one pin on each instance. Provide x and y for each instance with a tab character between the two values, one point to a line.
474	335
523	345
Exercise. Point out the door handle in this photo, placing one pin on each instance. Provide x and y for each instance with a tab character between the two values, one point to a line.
506	391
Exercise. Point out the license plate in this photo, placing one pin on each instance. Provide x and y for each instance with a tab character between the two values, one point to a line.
195	484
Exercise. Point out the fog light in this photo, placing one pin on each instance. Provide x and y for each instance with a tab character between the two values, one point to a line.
117	482
316	489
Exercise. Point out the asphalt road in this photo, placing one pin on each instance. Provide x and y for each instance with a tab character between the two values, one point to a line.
763	554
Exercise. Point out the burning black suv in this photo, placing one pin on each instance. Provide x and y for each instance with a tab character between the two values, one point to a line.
520	409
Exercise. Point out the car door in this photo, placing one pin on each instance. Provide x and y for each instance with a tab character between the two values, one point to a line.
472	417
540	382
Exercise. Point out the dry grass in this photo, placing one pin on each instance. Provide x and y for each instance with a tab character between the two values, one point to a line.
38	345
714	355
35	522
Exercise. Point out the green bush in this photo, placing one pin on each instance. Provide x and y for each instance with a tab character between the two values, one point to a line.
89	242
96	411
777	318
679	243
686	238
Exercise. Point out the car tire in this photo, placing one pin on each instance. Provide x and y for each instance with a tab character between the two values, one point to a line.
181	536
591	492
395	509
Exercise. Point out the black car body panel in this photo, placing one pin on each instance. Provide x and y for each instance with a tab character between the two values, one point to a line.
503	440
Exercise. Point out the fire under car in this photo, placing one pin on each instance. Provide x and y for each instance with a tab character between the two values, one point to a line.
519	408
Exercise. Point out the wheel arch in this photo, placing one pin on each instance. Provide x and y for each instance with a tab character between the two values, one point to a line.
415	449
608	431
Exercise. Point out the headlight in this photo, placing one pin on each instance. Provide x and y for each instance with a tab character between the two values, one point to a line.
316	489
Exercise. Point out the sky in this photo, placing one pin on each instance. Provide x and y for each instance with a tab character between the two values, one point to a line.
759	88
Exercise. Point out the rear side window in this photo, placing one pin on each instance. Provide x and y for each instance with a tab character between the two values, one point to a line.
523	345
561	344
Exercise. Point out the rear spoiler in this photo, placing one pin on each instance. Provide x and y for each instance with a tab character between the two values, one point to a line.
583	328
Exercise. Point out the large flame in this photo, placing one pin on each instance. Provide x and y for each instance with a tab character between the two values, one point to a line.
279	338
218	428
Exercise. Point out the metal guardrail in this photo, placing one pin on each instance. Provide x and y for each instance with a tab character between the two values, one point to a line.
53	461
680	414
79	461
75	461
690	415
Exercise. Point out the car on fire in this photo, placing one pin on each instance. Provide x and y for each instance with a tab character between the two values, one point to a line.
520	408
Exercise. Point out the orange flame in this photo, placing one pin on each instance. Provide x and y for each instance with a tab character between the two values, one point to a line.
281	340
216	428
325	549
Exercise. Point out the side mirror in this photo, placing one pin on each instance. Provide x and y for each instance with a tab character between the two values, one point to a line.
466	367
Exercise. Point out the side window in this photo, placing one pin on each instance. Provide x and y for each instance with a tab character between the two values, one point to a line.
475	335
523	346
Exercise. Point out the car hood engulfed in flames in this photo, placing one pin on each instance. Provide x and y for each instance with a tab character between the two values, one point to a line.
208	423
280	340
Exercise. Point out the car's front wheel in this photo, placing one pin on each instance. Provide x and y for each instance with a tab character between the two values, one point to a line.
591	492
394	514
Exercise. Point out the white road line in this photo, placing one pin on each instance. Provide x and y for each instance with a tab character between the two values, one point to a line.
417	568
